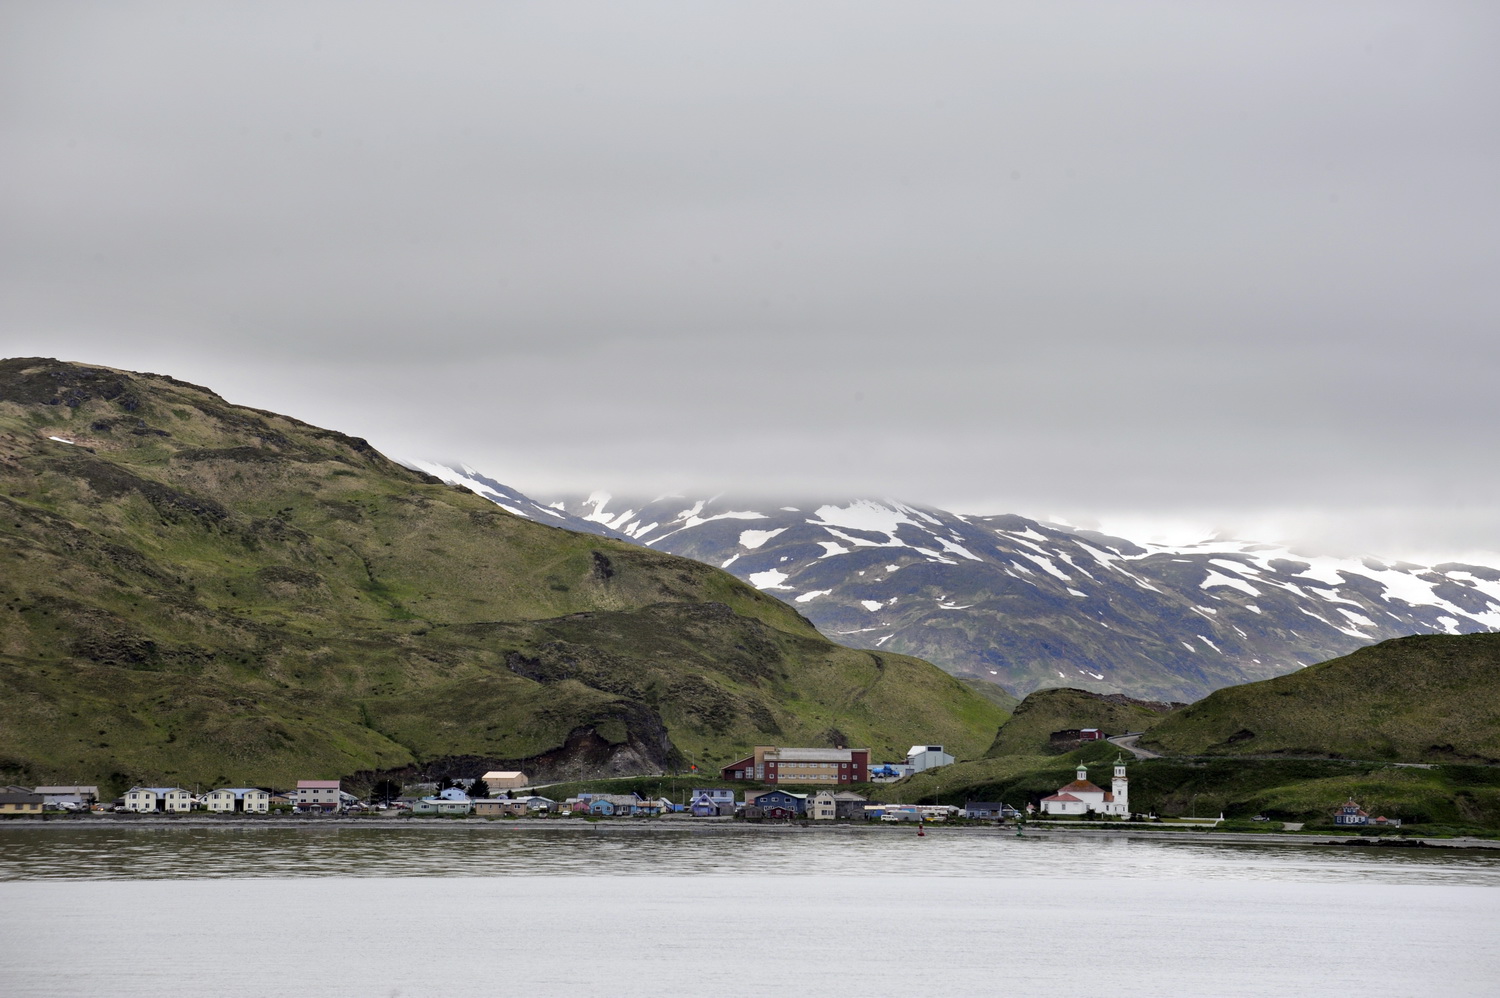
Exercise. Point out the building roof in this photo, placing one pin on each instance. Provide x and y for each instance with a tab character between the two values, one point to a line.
317	784
157	790
1065	798
20	798
990	805
68	790
239	791
811	755
1080	787
502	774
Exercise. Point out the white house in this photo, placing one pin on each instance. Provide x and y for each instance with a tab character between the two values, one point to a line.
154	799
237	800
920	757
1080	797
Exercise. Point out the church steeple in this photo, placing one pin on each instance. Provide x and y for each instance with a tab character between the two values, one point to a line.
1083	773
1121	788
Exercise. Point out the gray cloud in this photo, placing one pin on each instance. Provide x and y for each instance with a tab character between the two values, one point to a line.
1230	265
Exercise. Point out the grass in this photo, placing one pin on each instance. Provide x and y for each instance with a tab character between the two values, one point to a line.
1045	711
252	600
1427	698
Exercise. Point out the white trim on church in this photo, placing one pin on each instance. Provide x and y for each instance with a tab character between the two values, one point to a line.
1080	797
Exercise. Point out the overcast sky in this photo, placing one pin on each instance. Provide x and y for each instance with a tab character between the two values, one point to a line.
1228	265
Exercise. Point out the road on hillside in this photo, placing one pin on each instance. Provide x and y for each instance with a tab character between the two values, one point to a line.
1128	743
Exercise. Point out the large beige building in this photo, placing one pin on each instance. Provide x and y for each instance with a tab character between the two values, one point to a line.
504	779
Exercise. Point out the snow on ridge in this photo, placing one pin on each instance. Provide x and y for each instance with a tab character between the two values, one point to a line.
1217	579
902	507
1236	566
752	539
871	605
812	595
734	514
831	548
860	542
1071	564
1103	558
958	549
1046	565
863	514
771	578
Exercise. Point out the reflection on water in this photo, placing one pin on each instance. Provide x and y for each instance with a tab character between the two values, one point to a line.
497	849
479	909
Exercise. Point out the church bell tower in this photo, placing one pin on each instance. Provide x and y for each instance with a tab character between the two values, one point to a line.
1121	788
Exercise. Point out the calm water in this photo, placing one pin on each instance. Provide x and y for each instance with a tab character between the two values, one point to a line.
498	908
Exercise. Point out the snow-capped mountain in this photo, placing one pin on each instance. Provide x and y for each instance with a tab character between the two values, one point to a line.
510	500
1029	604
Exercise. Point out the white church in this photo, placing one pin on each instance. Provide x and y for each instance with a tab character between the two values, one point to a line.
1081	796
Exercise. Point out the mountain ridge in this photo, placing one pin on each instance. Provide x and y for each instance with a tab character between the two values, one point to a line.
1029	604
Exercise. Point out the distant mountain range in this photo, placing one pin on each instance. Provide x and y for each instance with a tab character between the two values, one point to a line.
1028	604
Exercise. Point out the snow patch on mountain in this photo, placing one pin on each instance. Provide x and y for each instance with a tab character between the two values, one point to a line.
752	539
1216	579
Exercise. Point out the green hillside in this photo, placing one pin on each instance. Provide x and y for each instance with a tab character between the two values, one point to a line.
192	591
1428	698
1439	799
1045	711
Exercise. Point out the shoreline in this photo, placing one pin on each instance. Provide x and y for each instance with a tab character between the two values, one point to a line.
726	825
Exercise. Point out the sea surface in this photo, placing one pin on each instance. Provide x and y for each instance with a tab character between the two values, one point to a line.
520	908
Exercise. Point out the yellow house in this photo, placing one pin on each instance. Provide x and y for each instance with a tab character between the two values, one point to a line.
501	806
21	803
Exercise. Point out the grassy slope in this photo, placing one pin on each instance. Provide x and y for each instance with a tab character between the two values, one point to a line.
193	591
1046	711
1428	698
1283	789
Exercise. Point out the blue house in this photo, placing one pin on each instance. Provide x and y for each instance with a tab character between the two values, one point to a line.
618	805
781	804
707	805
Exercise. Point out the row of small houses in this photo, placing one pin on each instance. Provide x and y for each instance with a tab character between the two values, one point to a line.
327	796
823	805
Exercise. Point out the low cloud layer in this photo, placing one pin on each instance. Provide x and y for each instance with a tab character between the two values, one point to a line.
1230	266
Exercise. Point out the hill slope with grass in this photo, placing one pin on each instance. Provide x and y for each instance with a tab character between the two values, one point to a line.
197	592
1426	698
1045	712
